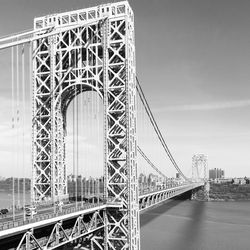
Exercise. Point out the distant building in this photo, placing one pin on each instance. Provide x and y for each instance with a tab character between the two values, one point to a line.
142	179
239	181
223	180
216	173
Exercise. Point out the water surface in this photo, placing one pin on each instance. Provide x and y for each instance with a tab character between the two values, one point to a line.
193	225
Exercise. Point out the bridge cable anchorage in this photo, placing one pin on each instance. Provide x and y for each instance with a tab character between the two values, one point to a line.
70	68
150	163
156	128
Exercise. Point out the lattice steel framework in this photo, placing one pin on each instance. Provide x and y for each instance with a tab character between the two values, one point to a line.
199	173
88	50
199	167
82	229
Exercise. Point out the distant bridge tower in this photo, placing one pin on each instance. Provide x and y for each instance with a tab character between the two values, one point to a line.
199	173
88	50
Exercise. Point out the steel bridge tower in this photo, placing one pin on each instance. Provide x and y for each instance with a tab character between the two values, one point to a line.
88	50
199	172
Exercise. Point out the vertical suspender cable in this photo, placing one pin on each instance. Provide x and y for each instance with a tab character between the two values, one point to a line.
91	127
81	103
17	121
94	132
77	103
86	148
76	110
23	125
92	137
81	115
77	146
31	100
88	163
143	131
92	140
144	136
88	151
98	145
85	118
13	126
73	150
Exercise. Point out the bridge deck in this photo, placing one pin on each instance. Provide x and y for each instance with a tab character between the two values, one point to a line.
146	200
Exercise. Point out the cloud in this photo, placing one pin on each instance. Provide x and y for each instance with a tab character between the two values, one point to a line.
206	106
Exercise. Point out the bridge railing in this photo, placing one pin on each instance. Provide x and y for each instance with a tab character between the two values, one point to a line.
45	216
150	189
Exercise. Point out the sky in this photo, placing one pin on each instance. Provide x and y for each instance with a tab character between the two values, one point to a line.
192	59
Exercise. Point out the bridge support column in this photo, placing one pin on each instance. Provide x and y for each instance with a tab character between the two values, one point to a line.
120	159
49	181
201	193
206	191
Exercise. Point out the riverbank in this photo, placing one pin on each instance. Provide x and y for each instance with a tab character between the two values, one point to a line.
229	192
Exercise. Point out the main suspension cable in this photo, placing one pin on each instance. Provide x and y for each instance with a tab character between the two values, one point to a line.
156	128
150	163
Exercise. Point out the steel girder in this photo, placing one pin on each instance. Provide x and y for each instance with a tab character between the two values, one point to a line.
97	56
84	227
151	199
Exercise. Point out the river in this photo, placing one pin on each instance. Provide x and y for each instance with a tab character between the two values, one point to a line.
193	225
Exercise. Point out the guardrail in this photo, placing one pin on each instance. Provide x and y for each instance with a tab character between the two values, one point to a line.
45	216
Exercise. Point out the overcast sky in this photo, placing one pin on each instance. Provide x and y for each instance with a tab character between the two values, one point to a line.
193	59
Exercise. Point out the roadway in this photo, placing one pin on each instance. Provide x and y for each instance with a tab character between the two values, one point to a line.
7	221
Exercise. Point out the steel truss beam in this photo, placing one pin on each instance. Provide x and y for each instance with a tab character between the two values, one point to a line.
83	226
151	199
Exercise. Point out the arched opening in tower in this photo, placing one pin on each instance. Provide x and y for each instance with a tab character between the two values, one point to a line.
84	147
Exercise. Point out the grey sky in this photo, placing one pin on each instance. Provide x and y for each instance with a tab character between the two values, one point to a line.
193	61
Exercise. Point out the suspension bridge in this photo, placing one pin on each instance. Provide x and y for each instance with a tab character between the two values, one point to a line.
98	155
